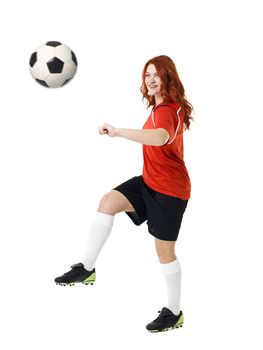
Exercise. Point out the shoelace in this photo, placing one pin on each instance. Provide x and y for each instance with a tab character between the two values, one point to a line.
160	317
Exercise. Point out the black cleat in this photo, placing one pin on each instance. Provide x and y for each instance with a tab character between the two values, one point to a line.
77	274
166	321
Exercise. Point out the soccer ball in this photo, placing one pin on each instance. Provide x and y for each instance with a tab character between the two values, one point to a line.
53	64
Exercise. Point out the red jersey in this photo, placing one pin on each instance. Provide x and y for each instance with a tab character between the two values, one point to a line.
164	169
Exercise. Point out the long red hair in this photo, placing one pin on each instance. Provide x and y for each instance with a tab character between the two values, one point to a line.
172	89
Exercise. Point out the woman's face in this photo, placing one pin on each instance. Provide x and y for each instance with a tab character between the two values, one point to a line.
153	81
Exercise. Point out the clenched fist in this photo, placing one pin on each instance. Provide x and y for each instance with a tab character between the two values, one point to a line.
107	129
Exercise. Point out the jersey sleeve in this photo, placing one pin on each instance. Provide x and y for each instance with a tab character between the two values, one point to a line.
165	118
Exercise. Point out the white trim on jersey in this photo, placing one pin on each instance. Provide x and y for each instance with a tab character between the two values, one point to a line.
177	113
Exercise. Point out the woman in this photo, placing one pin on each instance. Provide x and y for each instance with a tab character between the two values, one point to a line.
160	195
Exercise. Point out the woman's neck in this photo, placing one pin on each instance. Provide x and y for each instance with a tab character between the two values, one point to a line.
158	100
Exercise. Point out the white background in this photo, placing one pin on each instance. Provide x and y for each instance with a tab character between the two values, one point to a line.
55	167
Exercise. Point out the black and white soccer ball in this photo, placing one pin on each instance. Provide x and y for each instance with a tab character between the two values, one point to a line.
53	64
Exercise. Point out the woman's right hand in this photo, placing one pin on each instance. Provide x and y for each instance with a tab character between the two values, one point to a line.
107	129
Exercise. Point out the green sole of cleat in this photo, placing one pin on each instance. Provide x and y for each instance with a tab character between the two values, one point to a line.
90	280
166	329
73	284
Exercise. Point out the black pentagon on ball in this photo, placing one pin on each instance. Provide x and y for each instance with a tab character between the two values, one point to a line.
74	58
53	43
42	82
33	59
55	65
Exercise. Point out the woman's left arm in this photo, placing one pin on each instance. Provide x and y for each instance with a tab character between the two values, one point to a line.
150	137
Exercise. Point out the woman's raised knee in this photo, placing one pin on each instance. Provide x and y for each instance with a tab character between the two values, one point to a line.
106	204
114	202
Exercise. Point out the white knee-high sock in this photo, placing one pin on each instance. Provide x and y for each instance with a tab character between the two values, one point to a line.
99	232
172	275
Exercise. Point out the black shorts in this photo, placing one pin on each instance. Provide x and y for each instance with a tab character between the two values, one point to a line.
163	213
